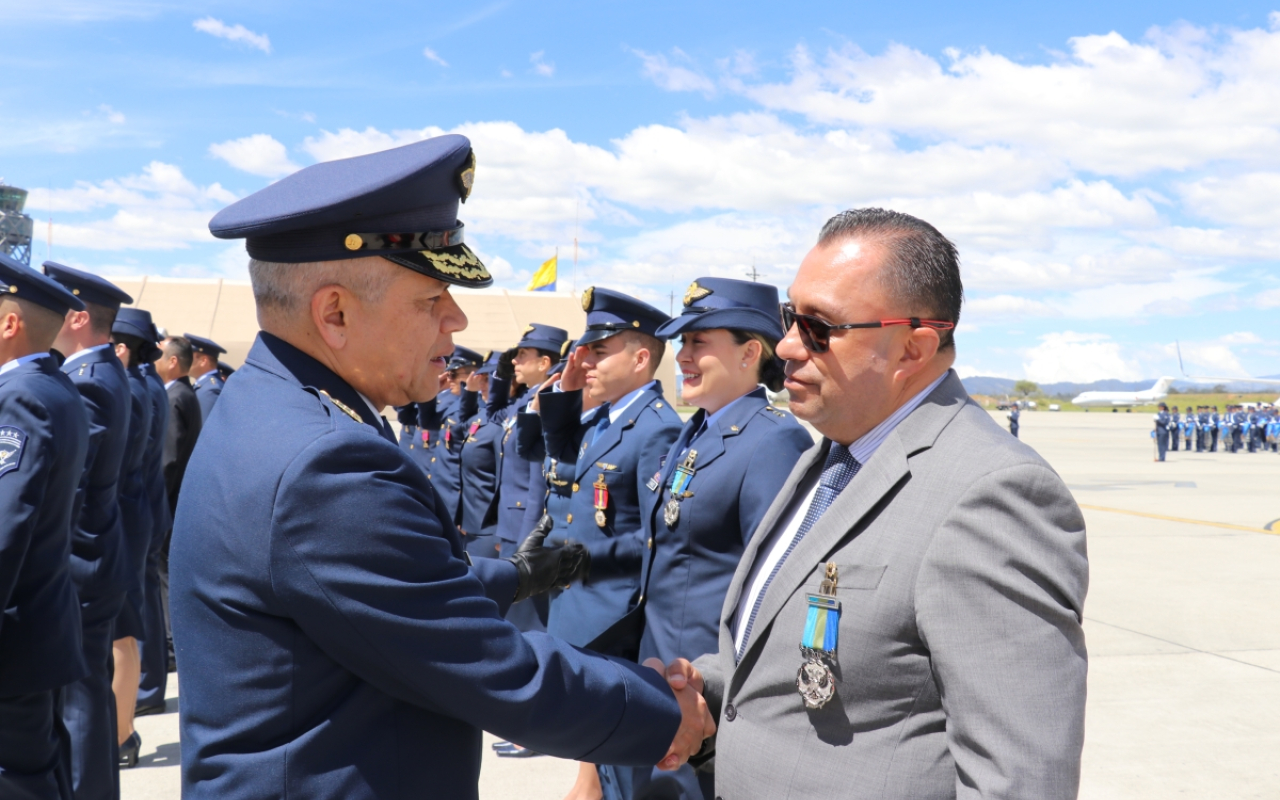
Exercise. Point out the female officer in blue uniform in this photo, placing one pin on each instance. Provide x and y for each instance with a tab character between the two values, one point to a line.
715	484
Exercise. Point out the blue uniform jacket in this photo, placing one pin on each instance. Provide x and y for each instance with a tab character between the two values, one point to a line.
441	457
687	569
333	641
44	436
407	416
626	456
208	388
513	477
161	518
99	562
478	513
135	502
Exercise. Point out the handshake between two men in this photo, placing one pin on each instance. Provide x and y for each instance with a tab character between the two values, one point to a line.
543	568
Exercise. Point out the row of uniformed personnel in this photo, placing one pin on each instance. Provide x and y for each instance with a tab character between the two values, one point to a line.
96	426
1237	429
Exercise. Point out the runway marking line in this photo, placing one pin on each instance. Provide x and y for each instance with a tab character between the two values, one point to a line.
1227	525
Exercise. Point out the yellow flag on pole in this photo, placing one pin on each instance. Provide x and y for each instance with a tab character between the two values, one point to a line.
544	280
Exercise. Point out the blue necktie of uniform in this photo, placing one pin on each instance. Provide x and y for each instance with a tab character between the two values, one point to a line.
602	424
839	469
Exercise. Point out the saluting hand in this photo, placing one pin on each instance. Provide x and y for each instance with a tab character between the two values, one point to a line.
696	724
574	376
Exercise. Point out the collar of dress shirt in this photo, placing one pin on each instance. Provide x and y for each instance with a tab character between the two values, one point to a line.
617	409
71	359
210	372
866	447
17	362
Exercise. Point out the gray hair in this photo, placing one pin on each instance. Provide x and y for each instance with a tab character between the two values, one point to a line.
286	289
922	267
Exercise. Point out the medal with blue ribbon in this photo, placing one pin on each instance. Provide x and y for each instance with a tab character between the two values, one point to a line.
815	681
679	482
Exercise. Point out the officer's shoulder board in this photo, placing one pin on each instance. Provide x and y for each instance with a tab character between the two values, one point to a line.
12	442
331	404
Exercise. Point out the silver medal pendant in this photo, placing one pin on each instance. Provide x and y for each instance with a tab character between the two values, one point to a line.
815	682
671	512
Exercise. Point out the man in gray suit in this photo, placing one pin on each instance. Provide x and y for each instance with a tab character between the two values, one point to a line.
906	621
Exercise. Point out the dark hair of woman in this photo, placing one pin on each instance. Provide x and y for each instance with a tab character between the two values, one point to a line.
771	371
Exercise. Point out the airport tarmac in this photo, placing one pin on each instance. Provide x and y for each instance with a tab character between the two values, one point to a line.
1181	624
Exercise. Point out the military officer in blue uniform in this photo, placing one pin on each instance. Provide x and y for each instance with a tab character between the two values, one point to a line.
154	646
702	507
332	638
521	478
206	378
446	461
99	556
132	332
1015	413
480	458
1175	421
1162	431
604	463
44	436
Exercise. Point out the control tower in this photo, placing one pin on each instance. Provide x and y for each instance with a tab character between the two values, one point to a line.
15	226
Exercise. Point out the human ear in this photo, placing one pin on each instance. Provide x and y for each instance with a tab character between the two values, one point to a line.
329	308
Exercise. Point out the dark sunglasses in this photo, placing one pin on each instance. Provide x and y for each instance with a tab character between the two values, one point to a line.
815	333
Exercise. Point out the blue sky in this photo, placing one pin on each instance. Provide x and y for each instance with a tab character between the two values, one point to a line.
1109	173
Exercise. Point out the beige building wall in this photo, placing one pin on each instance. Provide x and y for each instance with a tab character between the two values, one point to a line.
223	311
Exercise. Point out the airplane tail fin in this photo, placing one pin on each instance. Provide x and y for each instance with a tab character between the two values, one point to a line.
1162	385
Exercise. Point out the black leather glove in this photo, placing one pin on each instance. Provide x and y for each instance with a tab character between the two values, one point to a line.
541	569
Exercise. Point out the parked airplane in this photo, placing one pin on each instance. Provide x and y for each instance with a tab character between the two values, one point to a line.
1210	379
1155	394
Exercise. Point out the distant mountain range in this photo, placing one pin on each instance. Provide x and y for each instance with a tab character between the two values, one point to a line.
996	387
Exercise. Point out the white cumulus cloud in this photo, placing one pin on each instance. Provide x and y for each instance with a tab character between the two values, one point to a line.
233	33
1079	358
259	154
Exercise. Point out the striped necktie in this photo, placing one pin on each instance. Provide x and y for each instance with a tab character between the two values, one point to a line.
839	469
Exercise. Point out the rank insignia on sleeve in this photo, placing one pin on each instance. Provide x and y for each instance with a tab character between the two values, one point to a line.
12	440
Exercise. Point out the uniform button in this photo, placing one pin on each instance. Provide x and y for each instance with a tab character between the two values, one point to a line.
518	504
650	542
730	713
575	487
569	518
641	598
433	459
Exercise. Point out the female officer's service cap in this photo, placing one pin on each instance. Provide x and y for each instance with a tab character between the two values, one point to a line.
610	313
400	204
202	345
87	286
713	303
137	322
19	280
544	337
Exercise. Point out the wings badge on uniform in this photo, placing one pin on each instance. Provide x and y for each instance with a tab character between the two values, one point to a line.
12	440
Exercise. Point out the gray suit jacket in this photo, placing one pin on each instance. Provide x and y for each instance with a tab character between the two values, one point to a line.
961	665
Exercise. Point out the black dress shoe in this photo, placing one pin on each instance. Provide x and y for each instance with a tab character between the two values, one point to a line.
129	751
150	708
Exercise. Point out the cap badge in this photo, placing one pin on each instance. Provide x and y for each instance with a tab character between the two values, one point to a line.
564	348
695	293
587	296
467	175
528	330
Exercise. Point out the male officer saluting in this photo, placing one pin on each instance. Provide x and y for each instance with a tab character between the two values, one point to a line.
99	564
43	439
607	460
332	638
207	381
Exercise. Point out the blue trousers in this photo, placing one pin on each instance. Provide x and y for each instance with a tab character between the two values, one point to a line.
154	643
34	748
89	707
651	783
